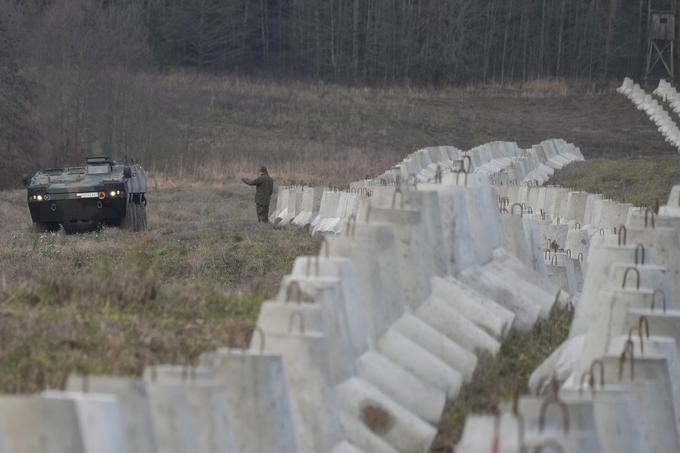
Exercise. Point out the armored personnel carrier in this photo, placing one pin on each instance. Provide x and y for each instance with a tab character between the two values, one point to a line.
84	198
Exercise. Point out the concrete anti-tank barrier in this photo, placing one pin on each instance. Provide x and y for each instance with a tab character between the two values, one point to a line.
132	395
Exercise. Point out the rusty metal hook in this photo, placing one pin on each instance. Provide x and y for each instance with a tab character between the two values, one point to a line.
653	217
639	254
296	314
465	179
294	286
521	209
663	301
544	409
413	177
580	257
469	161
625	277
553	260
622	239
438	175
629	348
591	382
600	363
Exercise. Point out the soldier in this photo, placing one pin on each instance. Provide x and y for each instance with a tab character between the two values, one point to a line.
263	193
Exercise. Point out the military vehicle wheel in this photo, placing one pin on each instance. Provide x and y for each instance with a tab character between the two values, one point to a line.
45	227
135	217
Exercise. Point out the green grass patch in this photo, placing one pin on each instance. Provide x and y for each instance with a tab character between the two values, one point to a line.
496	379
642	181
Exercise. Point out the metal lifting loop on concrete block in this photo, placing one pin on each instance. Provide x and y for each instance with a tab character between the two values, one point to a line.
438	175
542	214
521	209
530	210
625	277
580	257
469	166
294	286
296	314
649	212
623	235
630	337
599	363
401	199
639	254
554	388
628	349
591	382
351	226
544	409
547	254
568	252
414	178
643	322
464	179
553	260
663	301
263	337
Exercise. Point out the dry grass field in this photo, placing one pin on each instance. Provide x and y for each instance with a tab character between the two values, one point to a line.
113	301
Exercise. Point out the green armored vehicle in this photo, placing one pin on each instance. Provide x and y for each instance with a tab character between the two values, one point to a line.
83	198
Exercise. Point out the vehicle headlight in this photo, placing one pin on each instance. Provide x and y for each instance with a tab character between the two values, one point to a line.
113	193
37	197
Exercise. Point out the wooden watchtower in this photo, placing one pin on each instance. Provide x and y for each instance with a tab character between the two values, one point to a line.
660	39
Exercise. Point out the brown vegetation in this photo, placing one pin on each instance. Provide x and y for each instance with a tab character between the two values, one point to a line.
113	301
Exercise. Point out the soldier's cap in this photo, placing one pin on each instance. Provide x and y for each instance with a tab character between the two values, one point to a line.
263	169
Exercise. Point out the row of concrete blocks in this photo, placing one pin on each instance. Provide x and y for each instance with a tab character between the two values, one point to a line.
327	211
667	93
612	386
359	352
656	113
321	210
561	244
395	318
506	162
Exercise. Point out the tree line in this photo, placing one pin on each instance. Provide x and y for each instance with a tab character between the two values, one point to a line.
404	41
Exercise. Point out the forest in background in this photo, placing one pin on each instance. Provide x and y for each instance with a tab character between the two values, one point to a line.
78	72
